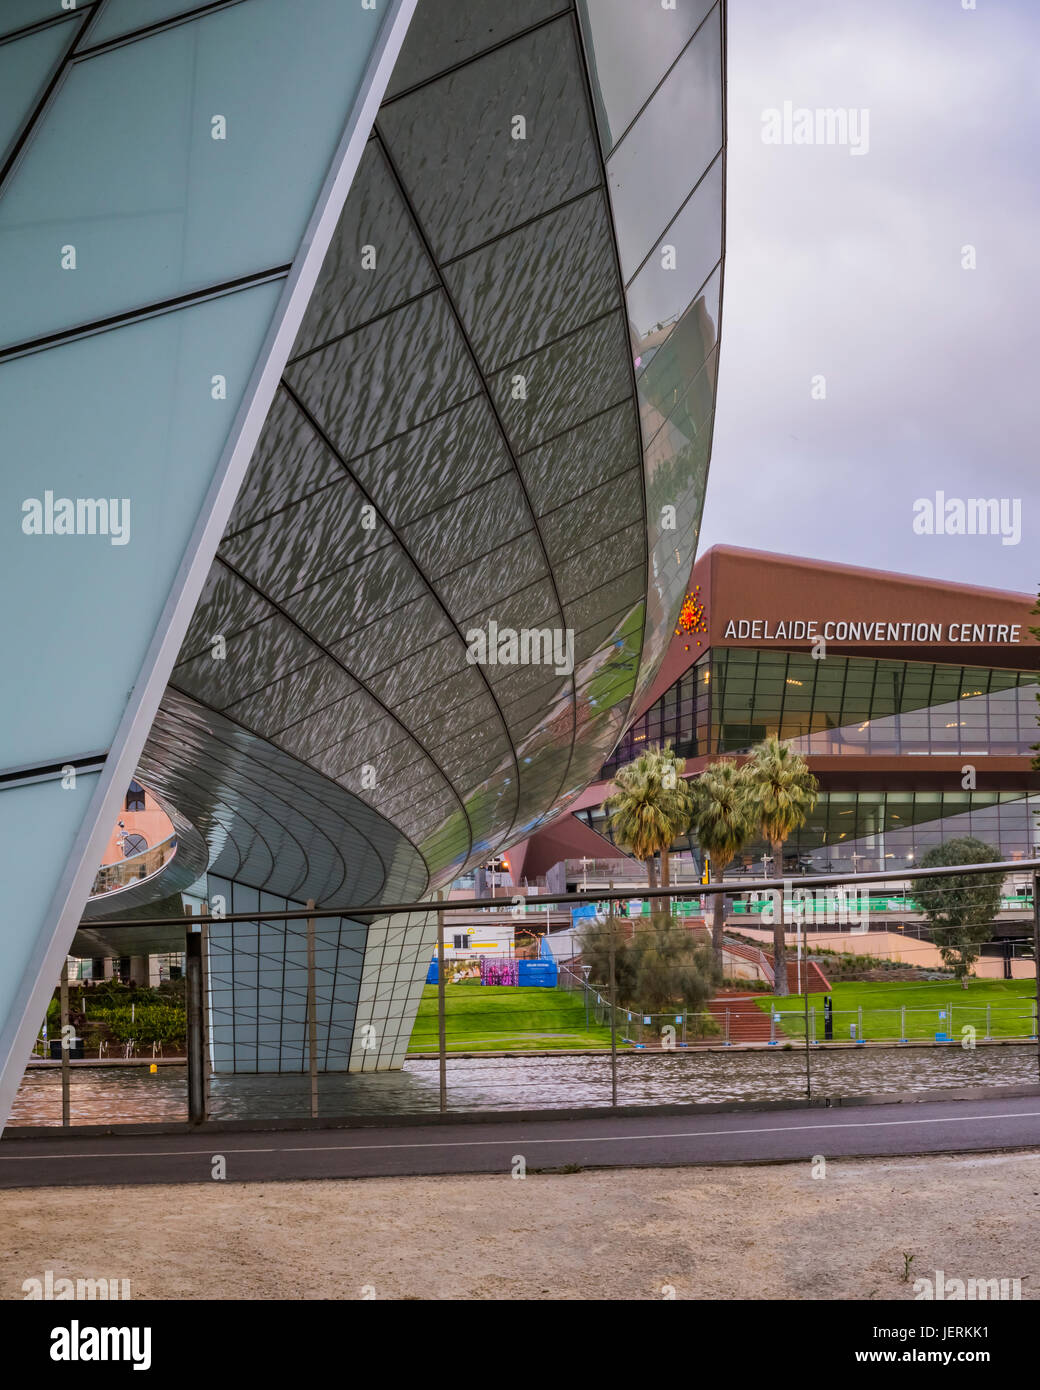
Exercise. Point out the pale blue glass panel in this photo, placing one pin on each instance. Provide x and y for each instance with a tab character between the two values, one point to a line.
25	67
125	169
122	414
676	137
124	16
16	14
38	824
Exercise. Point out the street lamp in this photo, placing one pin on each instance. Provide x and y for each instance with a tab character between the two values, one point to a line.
586	970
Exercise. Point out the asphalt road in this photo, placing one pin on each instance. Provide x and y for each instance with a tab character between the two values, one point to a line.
600	1142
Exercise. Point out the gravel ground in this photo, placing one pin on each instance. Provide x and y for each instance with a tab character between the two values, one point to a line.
729	1232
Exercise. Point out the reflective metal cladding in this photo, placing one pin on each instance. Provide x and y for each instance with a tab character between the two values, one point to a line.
497	411
456	554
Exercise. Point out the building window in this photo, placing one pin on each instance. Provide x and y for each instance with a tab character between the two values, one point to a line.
135	797
133	844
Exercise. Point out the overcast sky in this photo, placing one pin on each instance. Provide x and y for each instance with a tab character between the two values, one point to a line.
849	266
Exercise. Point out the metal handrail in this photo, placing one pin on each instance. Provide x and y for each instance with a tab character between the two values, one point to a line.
134	869
790	881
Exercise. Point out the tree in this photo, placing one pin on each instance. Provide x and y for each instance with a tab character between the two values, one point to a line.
960	907
650	805
653	969
781	793
722	826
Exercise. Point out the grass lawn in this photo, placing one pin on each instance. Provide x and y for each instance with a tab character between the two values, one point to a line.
496	1017
1010	1001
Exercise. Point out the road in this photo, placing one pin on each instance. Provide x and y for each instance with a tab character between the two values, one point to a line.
598	1141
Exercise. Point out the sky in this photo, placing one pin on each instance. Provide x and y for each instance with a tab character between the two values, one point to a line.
849	267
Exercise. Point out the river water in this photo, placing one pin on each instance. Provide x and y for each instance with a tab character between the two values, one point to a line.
114	1095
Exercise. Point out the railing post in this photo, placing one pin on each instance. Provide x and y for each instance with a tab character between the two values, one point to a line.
612	924
987	1022
65	1105
902	1023
1036	962
442	1032
859	1023
312	1014
194	1005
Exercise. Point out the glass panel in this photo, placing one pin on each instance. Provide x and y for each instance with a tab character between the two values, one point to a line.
256	657
289	462
563	384
679	265
26	66
445	540
124	168
123	16
137	422
581	459
661	158
16	14
631	45
359	594
453	141
375	260
307	540
387	377
434	464
538	283
677	362
446	32
29	888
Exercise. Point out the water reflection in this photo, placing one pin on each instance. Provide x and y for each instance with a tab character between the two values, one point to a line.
127	1095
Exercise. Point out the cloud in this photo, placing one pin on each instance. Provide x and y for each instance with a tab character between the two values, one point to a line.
850	268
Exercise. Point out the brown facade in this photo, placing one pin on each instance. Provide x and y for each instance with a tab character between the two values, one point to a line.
754	599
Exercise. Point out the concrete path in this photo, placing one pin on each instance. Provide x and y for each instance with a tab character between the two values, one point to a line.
745	1136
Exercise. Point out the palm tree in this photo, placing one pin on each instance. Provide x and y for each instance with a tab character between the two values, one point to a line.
781	791
722	824
650	806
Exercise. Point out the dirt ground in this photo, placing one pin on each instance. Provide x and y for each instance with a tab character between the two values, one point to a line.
761	1232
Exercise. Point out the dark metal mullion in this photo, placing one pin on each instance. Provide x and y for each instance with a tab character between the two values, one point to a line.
671	67
522	226
678	212
146	31
147	311
401	434
615	309
475	57
56	79
360	327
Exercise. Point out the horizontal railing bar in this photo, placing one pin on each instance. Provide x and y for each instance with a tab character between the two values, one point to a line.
616	895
